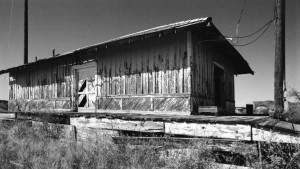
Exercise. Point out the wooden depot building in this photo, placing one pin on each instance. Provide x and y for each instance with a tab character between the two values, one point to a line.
170	69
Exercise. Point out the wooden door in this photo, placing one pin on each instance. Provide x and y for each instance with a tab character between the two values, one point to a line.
85	90
219	85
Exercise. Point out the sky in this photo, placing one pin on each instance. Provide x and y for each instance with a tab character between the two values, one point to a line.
70	24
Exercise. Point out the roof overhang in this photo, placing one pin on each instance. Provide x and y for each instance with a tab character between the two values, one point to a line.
242	68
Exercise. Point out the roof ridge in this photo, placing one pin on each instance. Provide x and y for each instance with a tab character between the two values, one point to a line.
147	31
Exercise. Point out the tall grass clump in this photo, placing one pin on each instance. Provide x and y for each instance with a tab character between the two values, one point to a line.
25	146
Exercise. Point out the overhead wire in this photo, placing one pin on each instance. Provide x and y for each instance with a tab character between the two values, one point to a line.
10	22
256	37
266	26
239	20
249	35
2	9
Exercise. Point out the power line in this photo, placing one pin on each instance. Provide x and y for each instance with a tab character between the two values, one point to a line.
257	37
266	26
10	22
2	9
239	20
246	36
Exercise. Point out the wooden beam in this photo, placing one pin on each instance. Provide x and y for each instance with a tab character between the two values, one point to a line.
227	131
176	142
117	124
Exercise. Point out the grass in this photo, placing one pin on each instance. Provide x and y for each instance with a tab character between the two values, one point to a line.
25	146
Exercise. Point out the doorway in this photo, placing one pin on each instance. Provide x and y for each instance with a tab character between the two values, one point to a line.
219	85
84	87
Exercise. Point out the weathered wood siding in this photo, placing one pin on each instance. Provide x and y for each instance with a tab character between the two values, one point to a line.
41	86
168	73
205	53
148	75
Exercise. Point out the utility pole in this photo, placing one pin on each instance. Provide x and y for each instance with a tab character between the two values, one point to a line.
26	32
279	73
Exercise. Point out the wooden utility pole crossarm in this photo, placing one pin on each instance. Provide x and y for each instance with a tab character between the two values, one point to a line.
279	56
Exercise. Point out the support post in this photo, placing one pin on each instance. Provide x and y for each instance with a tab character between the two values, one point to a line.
26	32
279	57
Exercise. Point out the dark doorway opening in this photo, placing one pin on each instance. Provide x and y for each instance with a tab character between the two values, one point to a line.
218	83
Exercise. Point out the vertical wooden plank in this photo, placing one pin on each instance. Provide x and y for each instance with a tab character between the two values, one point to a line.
186	73
144	67
157	68
100	75
176	65
130	74
165	64
16	85
209	74
36	91
107	63
202	46
172	68
181	65
118	73
122	71
20	84
24	83
133	57
150	68
13	85
105	74
50	80
161	65
127	66
40	76
32	70
189	60
110	64
64	78
56	79
139	56
69	77
196	64
205	75
113	73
